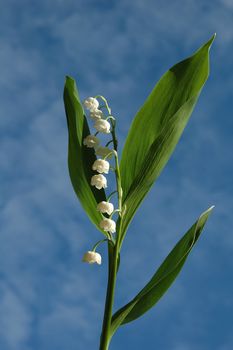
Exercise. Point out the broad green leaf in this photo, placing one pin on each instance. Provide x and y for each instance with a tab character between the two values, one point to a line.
157	127
80	158
163	278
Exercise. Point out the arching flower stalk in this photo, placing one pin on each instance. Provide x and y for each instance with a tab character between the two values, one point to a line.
106	125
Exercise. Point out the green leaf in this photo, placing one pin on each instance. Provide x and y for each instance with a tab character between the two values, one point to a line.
157	128
163	278
81	158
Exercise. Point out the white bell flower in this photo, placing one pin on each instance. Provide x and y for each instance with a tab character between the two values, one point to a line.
96	114
92	257
91	141
101	165
103	152
108	225
102	125
91	103
105	207
99	181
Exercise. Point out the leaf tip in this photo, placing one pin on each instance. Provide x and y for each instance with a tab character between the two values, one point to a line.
206	47
208	211
70	84
68	78
210	41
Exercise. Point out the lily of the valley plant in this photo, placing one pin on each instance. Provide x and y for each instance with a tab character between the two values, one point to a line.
154	133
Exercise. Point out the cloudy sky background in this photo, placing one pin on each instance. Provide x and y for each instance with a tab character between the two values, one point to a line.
49	300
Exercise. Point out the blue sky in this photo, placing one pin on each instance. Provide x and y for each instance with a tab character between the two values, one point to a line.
49	300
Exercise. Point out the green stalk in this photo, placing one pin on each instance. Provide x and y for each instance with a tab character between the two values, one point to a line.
113	262
113	253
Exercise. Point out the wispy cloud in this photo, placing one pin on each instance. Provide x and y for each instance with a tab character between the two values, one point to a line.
15	321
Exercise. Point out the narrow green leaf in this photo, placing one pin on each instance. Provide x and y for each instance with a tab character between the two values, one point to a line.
157	127
80	158
163	278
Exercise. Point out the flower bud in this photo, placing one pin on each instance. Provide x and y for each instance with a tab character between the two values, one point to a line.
105	207
96	114
91	103
108	225
103	152
99	181
91	141
92	258
102	166
102	125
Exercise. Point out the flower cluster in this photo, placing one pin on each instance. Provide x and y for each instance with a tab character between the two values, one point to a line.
101	166
101	125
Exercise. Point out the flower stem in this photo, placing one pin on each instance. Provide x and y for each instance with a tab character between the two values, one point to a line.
108	143
110	196
112	272
113	254
98	243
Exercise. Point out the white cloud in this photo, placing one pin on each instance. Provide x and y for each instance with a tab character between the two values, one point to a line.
75	312
43	230
16	322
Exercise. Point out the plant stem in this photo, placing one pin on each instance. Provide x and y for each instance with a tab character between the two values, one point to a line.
113	254
112	272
